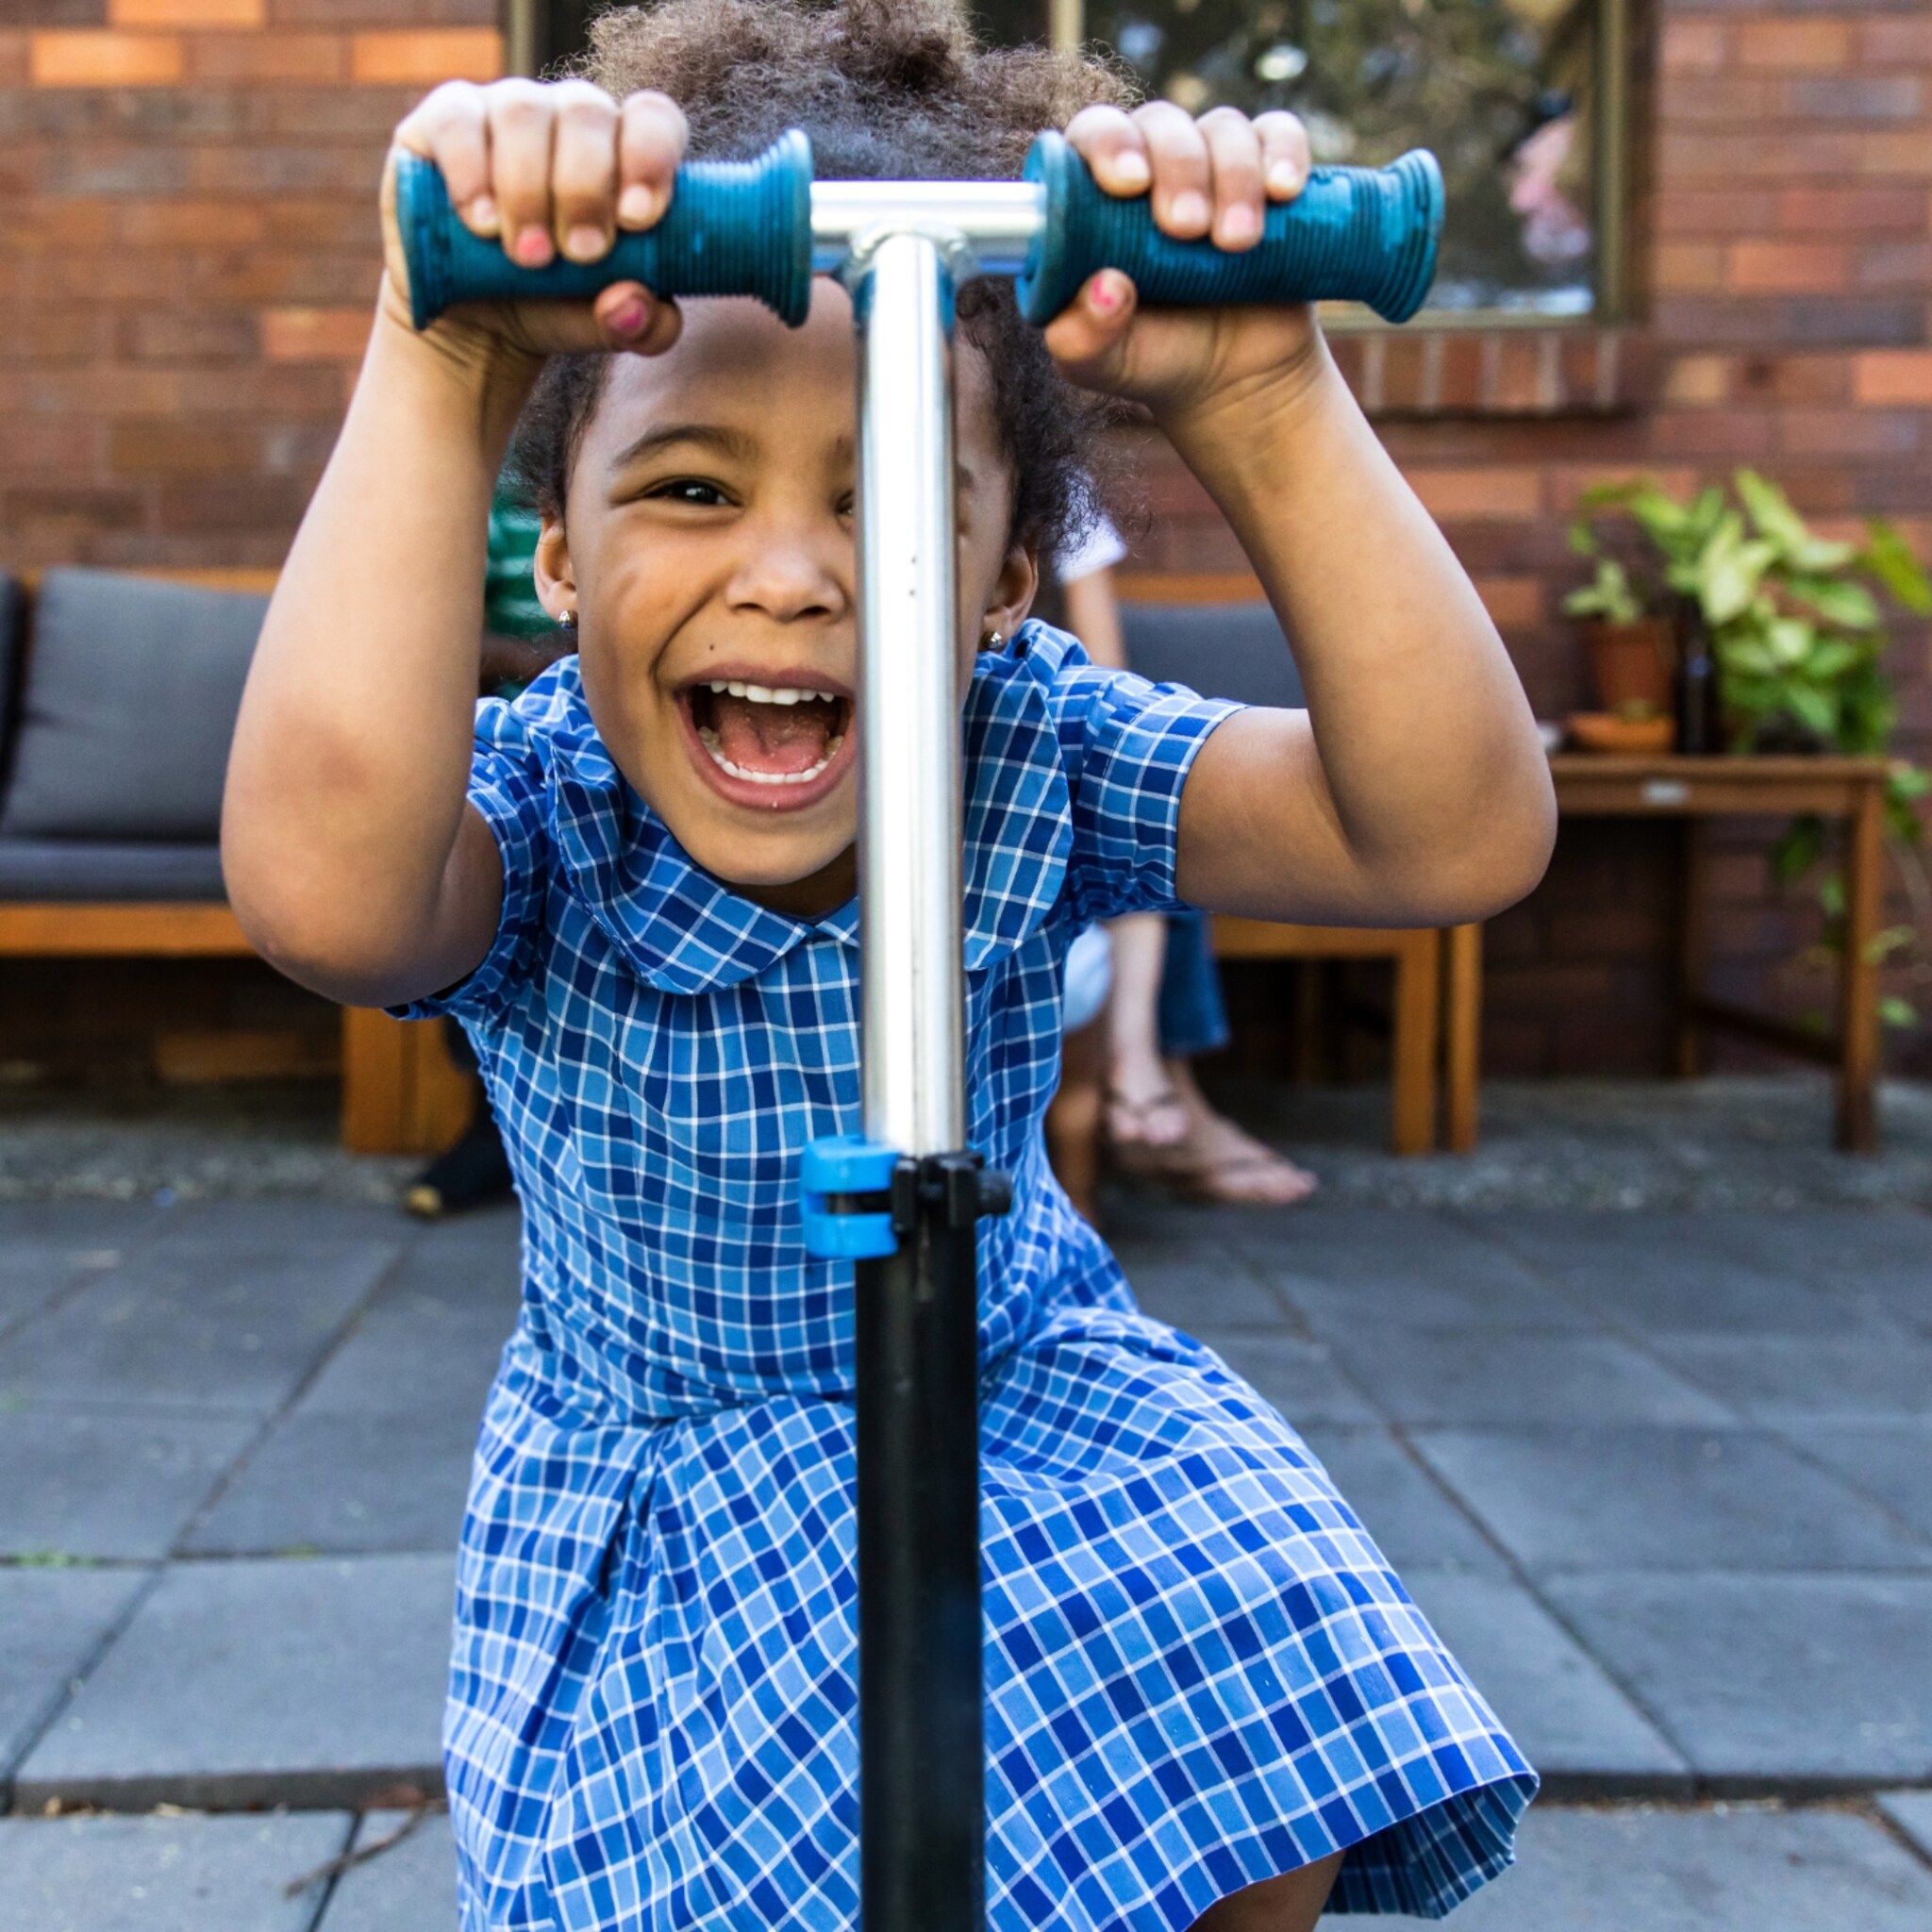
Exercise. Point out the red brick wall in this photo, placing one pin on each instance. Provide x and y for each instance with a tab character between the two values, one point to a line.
190	257
1786	321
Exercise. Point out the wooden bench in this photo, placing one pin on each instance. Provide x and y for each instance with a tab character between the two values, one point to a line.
401	1094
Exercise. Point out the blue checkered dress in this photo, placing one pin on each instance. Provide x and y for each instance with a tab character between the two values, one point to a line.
1200	1672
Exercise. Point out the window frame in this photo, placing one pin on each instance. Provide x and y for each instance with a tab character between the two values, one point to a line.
527	49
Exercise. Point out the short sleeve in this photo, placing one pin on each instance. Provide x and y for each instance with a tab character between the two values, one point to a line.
1127	746
506	789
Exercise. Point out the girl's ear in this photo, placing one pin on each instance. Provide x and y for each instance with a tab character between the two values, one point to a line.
1017	586
555	581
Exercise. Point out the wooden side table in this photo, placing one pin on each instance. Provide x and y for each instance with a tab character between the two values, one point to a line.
1691	789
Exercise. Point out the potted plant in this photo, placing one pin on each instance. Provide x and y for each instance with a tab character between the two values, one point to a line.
1798	638
1794	626
1632	649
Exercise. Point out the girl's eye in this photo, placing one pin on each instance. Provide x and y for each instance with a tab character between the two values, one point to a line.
689	490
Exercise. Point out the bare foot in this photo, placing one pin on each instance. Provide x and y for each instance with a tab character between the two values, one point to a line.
1143	1111
1215	1161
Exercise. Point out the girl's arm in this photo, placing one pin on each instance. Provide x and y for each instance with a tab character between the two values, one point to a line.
1414	789
352	859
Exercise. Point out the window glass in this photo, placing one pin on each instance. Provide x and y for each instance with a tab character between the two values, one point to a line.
1499	90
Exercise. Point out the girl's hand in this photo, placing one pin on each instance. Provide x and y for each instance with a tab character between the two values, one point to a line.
1213	176
549	168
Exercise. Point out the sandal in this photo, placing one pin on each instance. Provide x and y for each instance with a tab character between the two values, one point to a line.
1219	1165
1131	1125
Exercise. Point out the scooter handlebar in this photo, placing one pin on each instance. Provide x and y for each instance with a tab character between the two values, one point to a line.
744	228
1352	235
732	229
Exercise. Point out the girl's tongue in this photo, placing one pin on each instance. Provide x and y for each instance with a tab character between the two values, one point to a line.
758	731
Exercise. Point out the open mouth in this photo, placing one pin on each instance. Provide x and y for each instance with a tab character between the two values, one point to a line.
779	743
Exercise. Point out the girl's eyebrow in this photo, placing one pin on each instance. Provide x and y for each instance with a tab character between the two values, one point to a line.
729	442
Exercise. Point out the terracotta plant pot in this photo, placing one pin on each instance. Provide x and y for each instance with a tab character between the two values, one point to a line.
1632	665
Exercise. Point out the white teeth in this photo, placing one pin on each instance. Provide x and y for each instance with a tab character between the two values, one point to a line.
709	740
765	693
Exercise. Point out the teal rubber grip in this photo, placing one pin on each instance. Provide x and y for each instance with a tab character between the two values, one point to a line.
1352	235
732	229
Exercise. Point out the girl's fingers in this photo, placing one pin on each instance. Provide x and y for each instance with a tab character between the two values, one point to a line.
1085	336
1183	175
1285	155
450	128
650	146
519	134
1113	147
1234	149
583	170
632	317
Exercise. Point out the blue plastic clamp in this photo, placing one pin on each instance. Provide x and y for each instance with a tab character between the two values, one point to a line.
844	1165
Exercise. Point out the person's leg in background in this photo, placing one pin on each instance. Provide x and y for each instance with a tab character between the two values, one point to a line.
1212	1158
1073	1124
476	1172
1142	1108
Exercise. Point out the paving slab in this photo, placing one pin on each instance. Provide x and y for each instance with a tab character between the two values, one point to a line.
430	1340
1891	1461
1518	1379
33	1273
1650	1273
52	1621
346	1483
316	1682
1716	1869
410	1887
1875	1374
162	1875
1772	1681
1649	1498
1359	1270
1202	1287
1581	1732
1409	1517
209	1325
1878	1256
1300	1380
1911	1812
90	1483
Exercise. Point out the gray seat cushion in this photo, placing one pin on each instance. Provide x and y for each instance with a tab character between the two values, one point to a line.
132	686
82	869
1220	650
12	612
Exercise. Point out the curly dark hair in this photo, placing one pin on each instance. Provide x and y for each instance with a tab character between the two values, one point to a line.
886	90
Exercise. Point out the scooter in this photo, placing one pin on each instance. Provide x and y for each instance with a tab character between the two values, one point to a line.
903	1200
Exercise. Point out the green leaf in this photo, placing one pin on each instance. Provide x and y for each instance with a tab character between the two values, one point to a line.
1909	781
1582	539
1839	602
1889	558
1798	851
1791	639
1882	945
1894	1011
1771	514
1814	709
1831	895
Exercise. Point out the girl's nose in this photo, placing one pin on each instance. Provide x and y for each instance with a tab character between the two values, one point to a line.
792	569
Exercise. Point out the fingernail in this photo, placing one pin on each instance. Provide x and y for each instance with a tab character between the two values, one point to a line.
584	242
483	214
1104	293
531	247
1189	209
628	318
1240	223
636	206
1284	178
1129	168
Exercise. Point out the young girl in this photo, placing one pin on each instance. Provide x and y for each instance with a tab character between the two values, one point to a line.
1209	1701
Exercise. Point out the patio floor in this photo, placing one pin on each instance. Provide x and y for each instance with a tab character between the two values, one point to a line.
1658	1474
